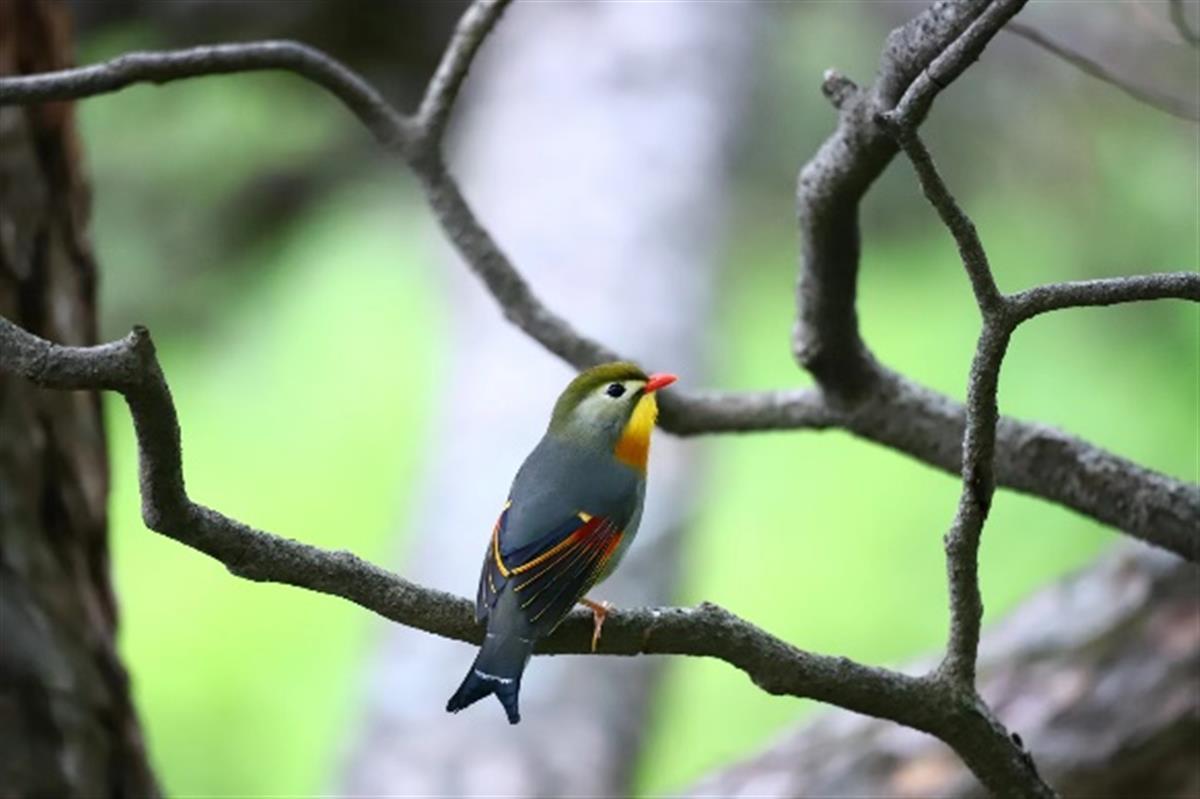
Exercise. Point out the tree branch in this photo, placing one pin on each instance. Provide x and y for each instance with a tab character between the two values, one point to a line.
1153	507
927	425
1155	99
130	367
979	438
979	442
826	340
510	290
1179	20
970	249
875	402
1107	291
920	60
469	34
951	61
1052	683
1001	315
390	128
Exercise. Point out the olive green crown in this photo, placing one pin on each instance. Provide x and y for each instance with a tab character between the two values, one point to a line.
588	381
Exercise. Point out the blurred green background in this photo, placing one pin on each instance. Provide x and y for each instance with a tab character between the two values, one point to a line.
268	330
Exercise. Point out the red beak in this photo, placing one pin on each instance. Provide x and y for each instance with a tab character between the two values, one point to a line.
659	380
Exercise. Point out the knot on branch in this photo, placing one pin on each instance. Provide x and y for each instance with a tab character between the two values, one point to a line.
838	88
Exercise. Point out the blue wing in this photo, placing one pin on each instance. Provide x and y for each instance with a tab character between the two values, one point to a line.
551	573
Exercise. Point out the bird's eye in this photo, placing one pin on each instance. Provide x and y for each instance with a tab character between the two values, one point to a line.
614	390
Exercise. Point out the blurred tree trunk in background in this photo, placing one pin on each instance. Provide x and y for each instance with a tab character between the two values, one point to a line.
67	724
1099	674
596	140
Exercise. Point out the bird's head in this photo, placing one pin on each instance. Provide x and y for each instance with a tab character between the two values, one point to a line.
611	406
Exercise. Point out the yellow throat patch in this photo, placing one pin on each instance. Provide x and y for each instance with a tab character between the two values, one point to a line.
633	447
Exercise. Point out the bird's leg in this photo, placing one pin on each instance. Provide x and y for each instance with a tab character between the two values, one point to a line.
599	614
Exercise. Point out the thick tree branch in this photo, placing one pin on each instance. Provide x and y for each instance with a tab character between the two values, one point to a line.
826	340
1166	103
1052	683
927	425
130	367
699	412
951	61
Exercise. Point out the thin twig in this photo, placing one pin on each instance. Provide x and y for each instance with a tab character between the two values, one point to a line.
970	249
1179	20
469	35
979	436
1106	291
1160	101
506	285
389	127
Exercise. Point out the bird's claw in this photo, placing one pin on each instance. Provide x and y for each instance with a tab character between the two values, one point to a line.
599	614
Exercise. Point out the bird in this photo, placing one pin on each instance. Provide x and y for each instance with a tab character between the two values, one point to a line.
571	514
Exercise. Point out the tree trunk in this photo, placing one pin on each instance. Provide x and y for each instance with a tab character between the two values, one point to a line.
67	725
595	147
1099	675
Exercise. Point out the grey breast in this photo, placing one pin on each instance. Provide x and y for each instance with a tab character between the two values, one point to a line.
559	479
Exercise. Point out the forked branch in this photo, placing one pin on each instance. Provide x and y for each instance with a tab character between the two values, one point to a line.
855	393
1001	315
1150	506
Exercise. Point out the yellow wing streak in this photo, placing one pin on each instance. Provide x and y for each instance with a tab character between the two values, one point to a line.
582	551
524	567
496	541
547	568
608	553
496	550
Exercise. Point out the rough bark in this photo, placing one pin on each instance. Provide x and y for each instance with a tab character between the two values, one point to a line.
921	58
67	725
857	393
569	107
1098	675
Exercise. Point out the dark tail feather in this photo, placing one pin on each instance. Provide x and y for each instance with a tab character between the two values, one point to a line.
496	670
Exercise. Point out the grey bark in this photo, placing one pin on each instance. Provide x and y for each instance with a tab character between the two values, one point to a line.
594	146
942	702
1099	675
67	725
856	393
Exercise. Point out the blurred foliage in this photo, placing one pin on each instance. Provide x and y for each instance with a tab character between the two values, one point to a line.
296	420
273	348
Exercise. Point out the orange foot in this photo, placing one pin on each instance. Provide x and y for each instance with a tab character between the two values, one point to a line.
599	614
